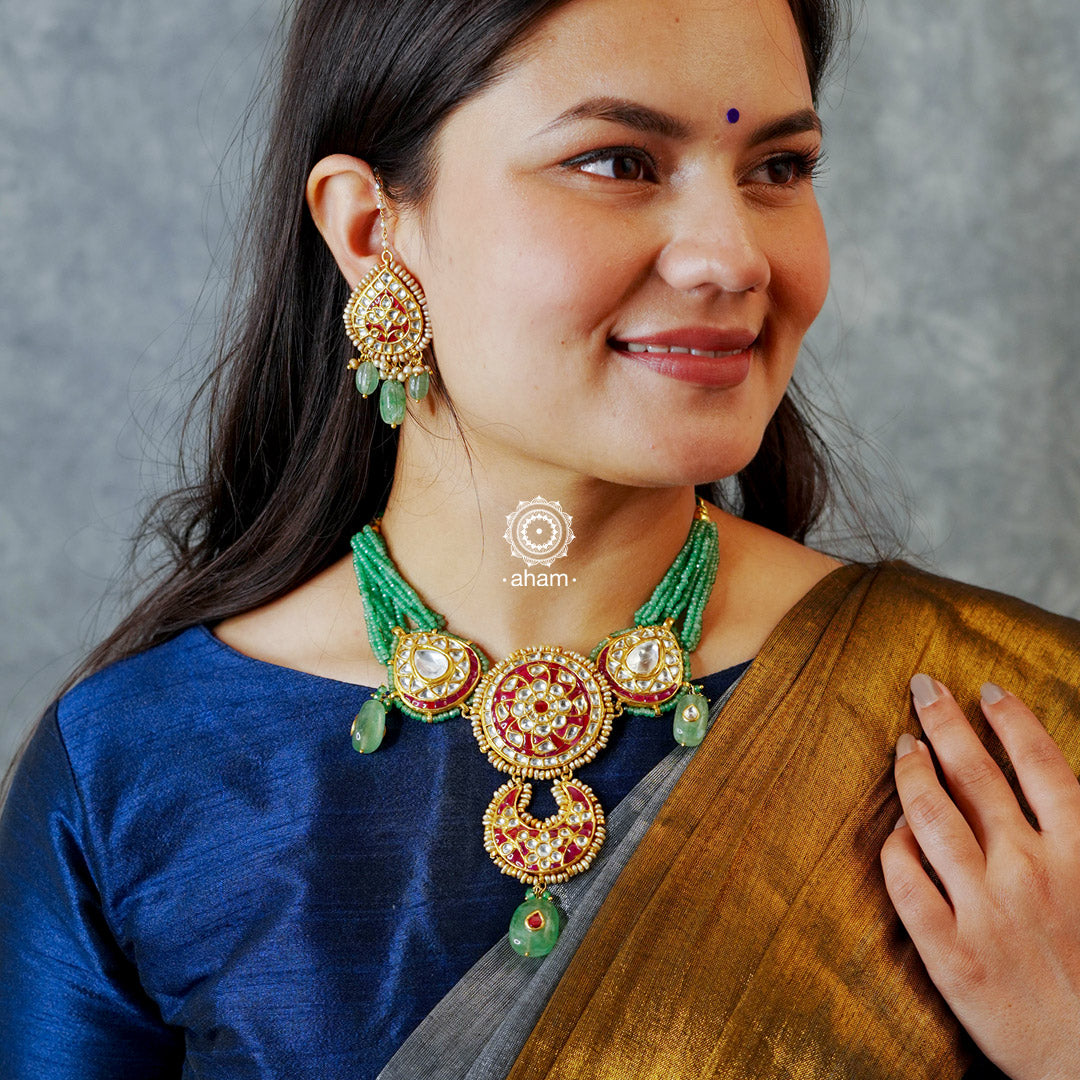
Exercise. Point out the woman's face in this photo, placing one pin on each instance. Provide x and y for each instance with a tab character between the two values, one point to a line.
637	185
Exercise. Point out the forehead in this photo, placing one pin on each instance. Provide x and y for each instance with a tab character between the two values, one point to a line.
703	54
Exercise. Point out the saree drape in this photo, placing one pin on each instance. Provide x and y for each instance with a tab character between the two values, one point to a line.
750	933
476	1031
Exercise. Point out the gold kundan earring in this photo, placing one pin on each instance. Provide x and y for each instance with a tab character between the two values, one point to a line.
387	320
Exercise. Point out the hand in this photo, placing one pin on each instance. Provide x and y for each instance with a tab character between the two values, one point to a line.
1003	944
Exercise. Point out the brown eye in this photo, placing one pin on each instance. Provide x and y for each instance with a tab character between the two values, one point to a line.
618	166
627	168
787	170
780	171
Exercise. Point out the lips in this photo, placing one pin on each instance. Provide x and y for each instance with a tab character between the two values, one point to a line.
704	356
695	340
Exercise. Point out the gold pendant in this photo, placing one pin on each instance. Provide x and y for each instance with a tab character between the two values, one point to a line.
644	665
542	712
541	852
433	672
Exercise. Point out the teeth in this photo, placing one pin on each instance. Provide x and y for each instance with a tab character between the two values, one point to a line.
713	354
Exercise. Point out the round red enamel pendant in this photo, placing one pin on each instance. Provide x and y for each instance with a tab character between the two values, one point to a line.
541	712
545	851
644	665
433	672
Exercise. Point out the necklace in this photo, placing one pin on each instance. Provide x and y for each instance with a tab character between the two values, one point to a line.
541	712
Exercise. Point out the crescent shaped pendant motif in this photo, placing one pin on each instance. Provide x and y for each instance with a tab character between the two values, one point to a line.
545	851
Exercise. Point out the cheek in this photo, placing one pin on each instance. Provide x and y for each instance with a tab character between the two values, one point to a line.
510	301
801	275
551	274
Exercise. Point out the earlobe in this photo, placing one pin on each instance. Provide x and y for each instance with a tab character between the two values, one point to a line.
341	195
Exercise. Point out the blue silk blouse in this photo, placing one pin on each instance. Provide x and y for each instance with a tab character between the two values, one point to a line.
200	878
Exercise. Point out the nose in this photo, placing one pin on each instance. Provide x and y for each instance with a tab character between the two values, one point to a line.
713	245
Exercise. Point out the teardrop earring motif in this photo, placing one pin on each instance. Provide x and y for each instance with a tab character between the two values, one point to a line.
387	320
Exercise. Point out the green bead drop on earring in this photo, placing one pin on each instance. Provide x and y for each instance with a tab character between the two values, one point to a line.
392	402
418	386
367	378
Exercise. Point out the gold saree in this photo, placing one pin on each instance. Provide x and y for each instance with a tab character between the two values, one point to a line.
750	935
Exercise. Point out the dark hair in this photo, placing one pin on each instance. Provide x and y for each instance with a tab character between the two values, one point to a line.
294	462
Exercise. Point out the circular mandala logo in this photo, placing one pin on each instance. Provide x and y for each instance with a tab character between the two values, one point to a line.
538	531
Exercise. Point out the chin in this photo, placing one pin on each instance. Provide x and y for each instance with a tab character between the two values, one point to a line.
682	464
702	439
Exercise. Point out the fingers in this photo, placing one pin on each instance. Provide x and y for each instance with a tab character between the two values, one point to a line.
975	782
922	909
945	837
1006	936
1046	779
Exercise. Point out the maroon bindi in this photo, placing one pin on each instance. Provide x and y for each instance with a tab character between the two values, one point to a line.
733	116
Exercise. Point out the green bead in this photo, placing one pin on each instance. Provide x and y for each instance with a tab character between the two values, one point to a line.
691	719
534	928
369	726
367	378
418	386
392	402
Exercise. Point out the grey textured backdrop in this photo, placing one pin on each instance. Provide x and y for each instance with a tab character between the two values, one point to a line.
953	137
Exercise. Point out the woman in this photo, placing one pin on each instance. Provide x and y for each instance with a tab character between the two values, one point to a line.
608	206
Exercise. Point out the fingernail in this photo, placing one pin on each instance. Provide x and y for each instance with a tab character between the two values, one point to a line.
901	821
991	693
905	744
923	690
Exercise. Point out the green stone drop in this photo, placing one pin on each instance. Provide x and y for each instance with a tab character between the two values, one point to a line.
418	386
534	928
369	726
392	402
691	719
367	378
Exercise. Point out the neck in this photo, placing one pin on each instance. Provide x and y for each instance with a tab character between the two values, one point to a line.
444	527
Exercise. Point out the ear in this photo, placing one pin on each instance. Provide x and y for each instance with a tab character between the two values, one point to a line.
341	195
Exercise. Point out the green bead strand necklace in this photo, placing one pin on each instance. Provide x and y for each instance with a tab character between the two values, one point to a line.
541	712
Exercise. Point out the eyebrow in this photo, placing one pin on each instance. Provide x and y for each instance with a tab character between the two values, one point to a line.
796	123
644	118
621	111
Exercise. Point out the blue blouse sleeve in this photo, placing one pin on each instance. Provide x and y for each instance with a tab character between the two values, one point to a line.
71	1005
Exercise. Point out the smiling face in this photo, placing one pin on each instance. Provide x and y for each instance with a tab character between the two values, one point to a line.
636	186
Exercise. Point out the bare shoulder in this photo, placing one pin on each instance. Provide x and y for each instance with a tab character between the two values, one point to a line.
761	577
317	628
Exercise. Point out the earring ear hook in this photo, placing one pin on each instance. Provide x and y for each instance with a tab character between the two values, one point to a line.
380	201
